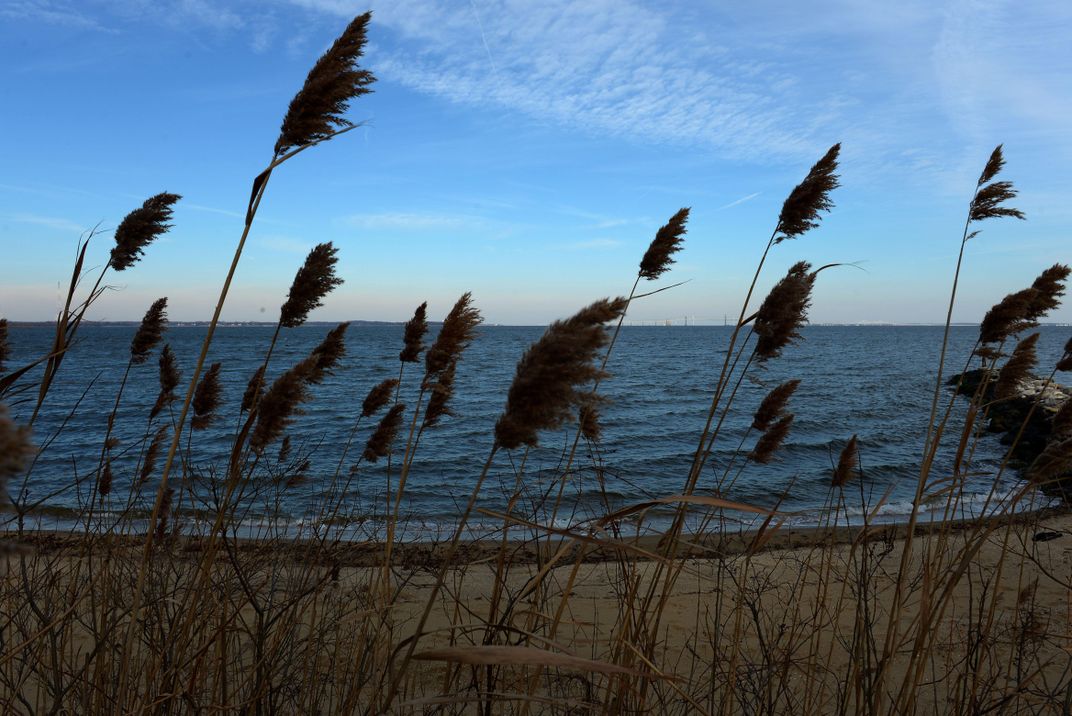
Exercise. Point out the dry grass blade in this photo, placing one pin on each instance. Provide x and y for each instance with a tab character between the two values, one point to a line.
314	280
802	208
316	111
700	500
667	242
522	656
544	392
139	228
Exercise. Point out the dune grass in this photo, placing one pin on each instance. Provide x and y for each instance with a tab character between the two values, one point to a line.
139	612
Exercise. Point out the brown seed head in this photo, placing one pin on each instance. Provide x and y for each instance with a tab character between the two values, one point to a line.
327	355
412	339
149	333
104	484
440	393
1008	317
254	388
169	380
545	392
16	450
139	228
284	449
770	441
773	405
783	311
379	396
206	398
165	514
316	111
993	166
149	464
591	428
314	280
801	210
847	464
458	331
379	443
1017	368
667	242
279	404
1050	286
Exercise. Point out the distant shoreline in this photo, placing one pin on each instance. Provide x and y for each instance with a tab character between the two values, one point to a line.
654	323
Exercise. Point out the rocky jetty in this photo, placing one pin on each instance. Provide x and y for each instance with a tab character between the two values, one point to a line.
1007	416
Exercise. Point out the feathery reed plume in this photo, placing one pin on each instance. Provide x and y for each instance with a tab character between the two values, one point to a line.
441	391
988	200
544	391
1053	462
783	311
1007	317
316	110
253	391
846	468
328	354
149	332
771	440
149	464
169	379
1049	287
993	166
15	450
379	396
165	514
800	212
1017	368
667	242
280	402
299	476
314	280
413	336
104	485
284	449
379	443
1065	364
458	331
591	428
5	349
206	398
773	405
139	228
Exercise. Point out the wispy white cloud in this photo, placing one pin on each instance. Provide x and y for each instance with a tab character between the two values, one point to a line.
51	222
52	12
594	244
738	202
409	222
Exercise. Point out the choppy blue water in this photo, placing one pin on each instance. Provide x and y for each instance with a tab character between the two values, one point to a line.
875	382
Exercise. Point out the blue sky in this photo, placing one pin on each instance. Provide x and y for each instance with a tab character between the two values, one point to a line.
528	151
